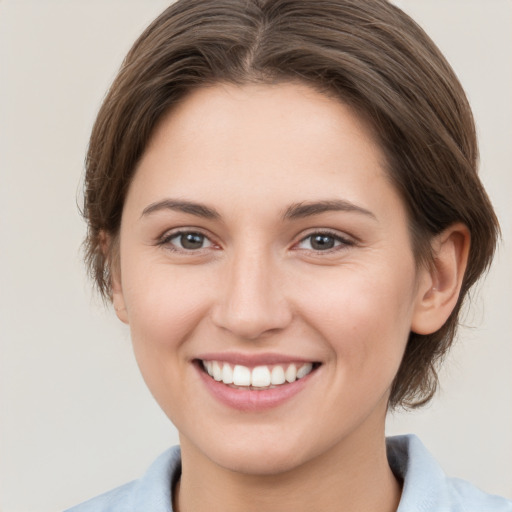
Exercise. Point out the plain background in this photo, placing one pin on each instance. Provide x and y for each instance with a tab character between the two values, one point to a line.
76	418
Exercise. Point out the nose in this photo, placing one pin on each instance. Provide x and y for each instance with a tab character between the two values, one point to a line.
251	302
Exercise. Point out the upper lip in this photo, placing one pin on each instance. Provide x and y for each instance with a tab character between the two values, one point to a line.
253	359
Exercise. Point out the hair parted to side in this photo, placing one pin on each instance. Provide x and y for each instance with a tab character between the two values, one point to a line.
369	55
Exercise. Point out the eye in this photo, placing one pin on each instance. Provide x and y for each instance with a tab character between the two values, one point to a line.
187	241
322	242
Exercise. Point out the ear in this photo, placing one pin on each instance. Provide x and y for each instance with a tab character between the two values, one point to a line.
439	285
110	249
117	294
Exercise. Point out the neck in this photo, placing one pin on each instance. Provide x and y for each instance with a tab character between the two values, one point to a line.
353	476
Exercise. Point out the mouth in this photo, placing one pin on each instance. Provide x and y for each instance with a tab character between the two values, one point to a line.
256	378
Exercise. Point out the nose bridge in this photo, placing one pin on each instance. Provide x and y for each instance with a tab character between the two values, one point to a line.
251	300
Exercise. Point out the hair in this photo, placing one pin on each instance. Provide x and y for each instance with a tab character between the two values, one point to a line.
369	55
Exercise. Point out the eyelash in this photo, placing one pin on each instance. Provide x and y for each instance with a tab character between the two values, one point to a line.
166	239
342	242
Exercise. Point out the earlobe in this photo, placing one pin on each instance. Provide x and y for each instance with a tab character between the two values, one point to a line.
117	293
119	304
110	248
440	284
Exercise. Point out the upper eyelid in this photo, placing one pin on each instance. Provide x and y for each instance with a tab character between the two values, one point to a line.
168	235
326	231
171	233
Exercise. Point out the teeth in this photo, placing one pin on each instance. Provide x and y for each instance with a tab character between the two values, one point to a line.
227	374
304	370
277	377
241	376
217	371
291	373
259	376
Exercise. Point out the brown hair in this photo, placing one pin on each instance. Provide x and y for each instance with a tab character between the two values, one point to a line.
369	55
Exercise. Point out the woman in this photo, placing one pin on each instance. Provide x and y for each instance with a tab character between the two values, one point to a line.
283	205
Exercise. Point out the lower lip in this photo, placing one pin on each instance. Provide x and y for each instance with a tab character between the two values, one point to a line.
253	400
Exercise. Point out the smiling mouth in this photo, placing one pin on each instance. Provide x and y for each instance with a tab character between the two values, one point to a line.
258	378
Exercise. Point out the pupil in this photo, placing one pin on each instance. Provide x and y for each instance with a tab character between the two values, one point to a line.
322	242
192	240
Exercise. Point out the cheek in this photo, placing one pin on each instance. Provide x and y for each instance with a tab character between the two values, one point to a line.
165	306
165	309
364	316
163	298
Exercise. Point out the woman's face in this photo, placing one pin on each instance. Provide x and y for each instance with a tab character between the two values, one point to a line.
260	233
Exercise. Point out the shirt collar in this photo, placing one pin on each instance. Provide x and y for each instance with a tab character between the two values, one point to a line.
425	486
424	483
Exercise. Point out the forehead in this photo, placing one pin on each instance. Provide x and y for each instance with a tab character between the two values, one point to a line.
271	115
285	143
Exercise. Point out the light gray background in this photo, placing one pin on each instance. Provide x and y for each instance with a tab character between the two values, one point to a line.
76	419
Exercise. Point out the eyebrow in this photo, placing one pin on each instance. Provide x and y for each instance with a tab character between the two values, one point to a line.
307	209
294	211
200	210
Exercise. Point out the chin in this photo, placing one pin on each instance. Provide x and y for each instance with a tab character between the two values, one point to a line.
262	456
261	463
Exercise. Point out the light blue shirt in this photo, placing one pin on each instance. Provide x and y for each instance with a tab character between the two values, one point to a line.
425	487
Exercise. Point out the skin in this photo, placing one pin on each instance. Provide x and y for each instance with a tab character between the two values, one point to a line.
257	284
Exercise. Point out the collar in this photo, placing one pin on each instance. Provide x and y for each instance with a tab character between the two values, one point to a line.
425	486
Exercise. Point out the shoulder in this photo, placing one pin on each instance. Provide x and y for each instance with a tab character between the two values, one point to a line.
427	489
467	493
153	491
116	500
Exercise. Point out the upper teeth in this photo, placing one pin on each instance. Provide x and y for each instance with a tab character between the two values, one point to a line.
259	376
